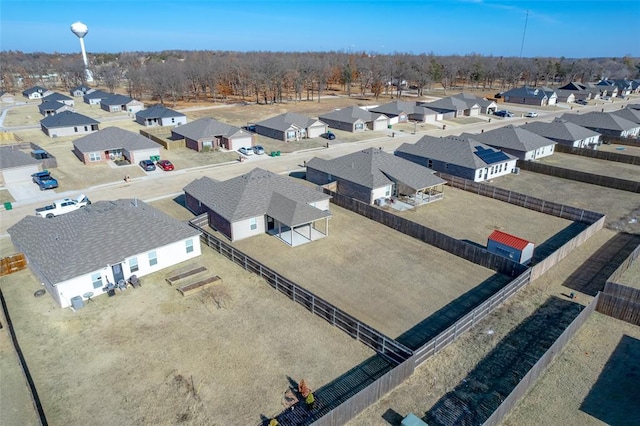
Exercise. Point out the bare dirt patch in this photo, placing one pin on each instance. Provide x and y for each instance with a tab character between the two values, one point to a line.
151	356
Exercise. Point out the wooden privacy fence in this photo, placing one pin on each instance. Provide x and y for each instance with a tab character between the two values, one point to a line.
621	302
601	155
522	200
11	264
592	178
530	378
392	350
620	140
633	256
467	251
162	136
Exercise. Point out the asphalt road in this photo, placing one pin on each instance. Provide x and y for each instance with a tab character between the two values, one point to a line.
170	184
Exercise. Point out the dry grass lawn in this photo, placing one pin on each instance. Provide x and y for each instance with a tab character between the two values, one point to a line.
593	165
152	356
626	149
631	276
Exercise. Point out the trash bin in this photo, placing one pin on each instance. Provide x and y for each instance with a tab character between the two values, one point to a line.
77	303
390	126
7	205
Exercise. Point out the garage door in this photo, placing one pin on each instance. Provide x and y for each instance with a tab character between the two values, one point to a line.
19	174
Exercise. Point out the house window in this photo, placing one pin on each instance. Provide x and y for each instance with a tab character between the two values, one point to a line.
430	164
86	128
133	264
387	191
173	120
153	258
96	279
189	245
446	166
359	126
94	156
75	129
253	223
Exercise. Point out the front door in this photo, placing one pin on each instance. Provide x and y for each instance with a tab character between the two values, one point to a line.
118	275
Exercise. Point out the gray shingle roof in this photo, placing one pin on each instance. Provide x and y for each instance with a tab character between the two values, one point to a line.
284	121
291	212
395	108
81	88
97	94
50	105
351	115
250	195
158	111
458	150
373	168
55	96
104	233
453	103
113	138
514	138
600	120
206	128
560	130
116	100
66	119
34	89
628	114
527	93
11	157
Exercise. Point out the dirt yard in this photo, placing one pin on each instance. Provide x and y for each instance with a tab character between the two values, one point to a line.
152	356
388	280
593	165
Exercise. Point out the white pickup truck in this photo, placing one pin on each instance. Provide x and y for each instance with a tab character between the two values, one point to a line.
63	206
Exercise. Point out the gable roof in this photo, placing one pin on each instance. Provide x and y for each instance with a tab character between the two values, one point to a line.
81	88
526	92
352	114
97	94
11	157
453	103
55	96
459	150
73	244
374	168
601	120
513	138
116	100
158	111
284	121
67	119
395	108
50	105
509	240
251	194
206	127
560	130
35	89
113	138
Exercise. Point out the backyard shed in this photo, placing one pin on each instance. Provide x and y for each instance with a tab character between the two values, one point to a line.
510	246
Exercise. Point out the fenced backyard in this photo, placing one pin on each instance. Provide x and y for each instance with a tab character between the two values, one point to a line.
600	155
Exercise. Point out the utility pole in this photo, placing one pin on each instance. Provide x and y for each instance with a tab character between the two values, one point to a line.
524	32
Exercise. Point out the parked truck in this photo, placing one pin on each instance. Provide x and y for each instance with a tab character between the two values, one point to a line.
44	180
63	206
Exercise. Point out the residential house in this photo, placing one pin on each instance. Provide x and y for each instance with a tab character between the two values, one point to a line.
258	202
80	90
355	119
607	88
565	133
372	175
517	141
566	96
605	123
207	133
121	103
486	106
628	114
624	86
59	97
461	156
404	111
47	107
290	126
579	91
68	123
94	97
539	96
6	97
114	143
159	115
35	92
79	253
16	166
454	106
511	247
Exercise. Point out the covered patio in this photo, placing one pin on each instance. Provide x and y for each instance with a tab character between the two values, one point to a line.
296	223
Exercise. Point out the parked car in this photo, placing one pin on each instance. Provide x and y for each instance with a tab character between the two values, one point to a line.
503	113
582	102
63	206
246	150
258	149
165	165
328	135
531	114
44	180
147	165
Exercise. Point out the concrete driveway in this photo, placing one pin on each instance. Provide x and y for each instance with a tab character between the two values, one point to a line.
27	191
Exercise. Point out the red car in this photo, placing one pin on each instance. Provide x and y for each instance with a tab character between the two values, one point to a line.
165	165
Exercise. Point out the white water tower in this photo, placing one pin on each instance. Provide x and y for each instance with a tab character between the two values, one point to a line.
81	30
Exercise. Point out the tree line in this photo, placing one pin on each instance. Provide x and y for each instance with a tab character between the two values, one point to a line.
271	77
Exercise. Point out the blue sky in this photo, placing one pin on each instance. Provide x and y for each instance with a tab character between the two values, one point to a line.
570	28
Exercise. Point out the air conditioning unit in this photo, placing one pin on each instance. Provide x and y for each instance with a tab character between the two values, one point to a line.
379	201
516	170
